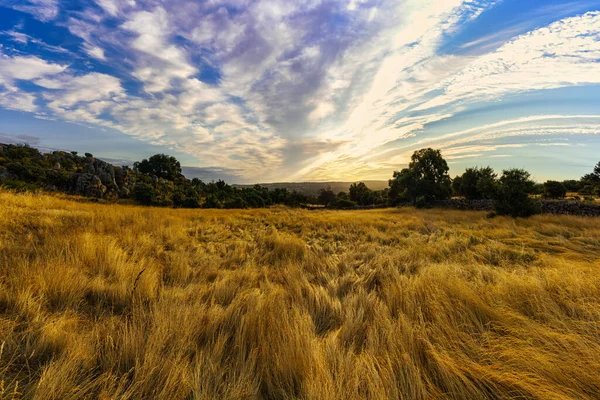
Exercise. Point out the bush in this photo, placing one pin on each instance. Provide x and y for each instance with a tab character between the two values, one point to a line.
326	196
476	183
512	196
211	202
343	204
60	179
191	202
421	202
587	190
144	193
19	186
554	190
235	202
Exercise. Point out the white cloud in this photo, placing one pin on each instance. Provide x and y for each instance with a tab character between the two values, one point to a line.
84	89
115	7
18	68
26	68
94	51
562	54
166	61
44	10
18	101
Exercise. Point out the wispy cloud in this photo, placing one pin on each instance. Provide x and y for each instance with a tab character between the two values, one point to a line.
44	10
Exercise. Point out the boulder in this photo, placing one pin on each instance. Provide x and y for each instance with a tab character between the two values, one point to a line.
89	186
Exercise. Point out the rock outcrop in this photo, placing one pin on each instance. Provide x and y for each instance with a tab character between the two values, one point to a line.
89	185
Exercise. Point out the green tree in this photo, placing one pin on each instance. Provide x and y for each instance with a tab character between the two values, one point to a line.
161	165
554	190
360	193
572	185
426	175
456	186
235	202
512	197
326	196
477	183
211	202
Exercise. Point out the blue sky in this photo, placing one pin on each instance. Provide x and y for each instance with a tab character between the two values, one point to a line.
260	91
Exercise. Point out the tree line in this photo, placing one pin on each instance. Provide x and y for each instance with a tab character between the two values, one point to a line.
426	181
159	181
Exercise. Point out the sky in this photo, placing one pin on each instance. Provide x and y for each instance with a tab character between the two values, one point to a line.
315	90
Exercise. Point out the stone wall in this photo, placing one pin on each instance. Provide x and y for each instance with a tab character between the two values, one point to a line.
562	207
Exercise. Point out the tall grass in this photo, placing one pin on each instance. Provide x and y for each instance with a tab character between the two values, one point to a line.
124	302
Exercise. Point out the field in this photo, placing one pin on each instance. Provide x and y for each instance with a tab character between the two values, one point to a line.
125	302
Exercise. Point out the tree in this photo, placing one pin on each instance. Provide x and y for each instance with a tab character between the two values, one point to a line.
554	190
572	185
326	196
456	186
211	202
360	193
235	202
512	197
279	196
161	165
426	175
477	183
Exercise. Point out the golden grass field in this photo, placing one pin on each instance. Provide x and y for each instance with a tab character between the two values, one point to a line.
125	302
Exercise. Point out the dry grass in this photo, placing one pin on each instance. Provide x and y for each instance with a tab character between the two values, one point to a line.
123	302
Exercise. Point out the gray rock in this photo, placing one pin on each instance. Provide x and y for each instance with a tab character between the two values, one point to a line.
89	186
561	207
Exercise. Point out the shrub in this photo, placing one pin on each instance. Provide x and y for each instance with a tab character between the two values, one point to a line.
60	179
512	196
191	202
326	196
343	204
421	202
235	202
19	186
476	183
554	190
211	202
144	193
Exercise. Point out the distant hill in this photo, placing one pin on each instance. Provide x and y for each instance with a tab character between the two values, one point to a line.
313	188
